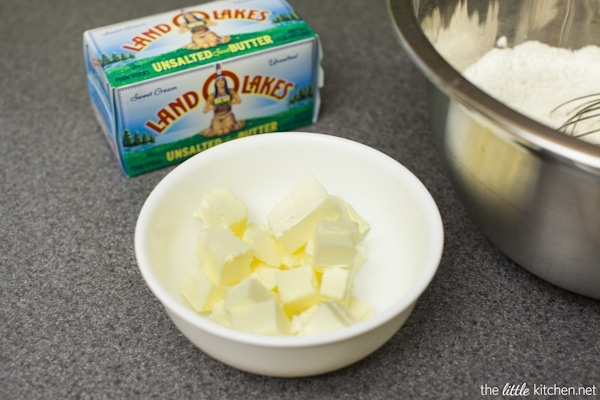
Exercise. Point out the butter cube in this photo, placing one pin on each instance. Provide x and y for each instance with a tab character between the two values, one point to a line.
222	207
249	291
218	314
334	243
264	245
359	309
348	213
293	260
252	307
293	219
266	317
359	260
325	317
199	290
297	289
336	283
224	256
266	275
293	276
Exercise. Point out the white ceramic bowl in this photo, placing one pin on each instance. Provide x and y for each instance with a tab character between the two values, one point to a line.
403	247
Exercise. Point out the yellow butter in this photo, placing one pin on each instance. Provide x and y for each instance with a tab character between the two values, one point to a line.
295	259
336	283
334	243
252	307
348	213
264	245
359	309
358	261
297	288
293	276
218	314
266	317
224	256
222	207
325	317
199	290
249	291
265	274
294	218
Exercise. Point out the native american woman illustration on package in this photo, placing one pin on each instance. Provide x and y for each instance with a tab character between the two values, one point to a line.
202	36
159	102
221	102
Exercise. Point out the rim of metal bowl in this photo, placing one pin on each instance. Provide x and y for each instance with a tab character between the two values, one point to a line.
439	72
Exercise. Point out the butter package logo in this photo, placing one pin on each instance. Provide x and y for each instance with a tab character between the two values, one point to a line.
168	86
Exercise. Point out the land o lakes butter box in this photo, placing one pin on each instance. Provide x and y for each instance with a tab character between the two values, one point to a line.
168	86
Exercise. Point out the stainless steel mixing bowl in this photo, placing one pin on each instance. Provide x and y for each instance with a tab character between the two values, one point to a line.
533	191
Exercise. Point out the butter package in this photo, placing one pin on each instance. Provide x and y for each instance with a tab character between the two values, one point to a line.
168	86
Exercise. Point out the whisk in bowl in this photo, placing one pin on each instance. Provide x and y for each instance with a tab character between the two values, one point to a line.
583	118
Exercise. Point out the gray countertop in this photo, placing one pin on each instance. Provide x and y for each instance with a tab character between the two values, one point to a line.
77	321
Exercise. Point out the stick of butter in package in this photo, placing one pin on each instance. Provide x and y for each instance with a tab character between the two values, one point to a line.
168	86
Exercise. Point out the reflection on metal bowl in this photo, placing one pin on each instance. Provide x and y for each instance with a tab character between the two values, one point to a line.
533	191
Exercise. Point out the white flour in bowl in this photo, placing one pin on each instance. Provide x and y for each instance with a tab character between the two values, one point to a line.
534	79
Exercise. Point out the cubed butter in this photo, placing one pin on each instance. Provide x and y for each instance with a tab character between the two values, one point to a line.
326	317
297	289
348	213
218	314
336	283
249	291
293	260
252	307
334	243
199	290
295	217
358	260
225	257
266	317
359	309
293	276
264	245
222	207
266	275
